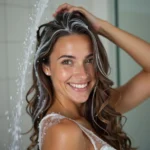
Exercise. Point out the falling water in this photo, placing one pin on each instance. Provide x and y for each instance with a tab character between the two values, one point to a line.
15	128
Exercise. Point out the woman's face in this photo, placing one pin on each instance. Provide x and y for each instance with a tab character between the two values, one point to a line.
71	68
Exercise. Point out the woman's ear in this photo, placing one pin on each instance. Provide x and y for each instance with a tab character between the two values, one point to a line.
46	69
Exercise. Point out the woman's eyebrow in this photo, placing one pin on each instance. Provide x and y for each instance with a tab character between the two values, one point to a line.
89	55
70	56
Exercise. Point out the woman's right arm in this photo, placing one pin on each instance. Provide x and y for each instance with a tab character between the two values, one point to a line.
64	135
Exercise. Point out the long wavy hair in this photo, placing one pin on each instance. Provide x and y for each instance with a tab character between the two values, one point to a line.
103	118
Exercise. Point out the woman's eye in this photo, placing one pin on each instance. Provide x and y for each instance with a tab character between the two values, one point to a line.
89	60
67	62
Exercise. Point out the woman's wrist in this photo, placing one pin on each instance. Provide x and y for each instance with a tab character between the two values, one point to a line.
104	27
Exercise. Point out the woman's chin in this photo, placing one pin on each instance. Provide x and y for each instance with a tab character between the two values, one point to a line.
80	100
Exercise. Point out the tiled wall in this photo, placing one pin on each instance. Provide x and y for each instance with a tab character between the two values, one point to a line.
134	17
14	19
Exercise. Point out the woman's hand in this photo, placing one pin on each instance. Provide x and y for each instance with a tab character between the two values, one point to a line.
96	22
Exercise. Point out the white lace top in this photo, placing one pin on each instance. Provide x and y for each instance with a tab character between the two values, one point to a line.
54	118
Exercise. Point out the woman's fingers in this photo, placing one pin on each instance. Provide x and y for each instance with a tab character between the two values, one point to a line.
69	8
63	7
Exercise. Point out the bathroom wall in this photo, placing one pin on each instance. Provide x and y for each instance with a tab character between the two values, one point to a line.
14	22
134	17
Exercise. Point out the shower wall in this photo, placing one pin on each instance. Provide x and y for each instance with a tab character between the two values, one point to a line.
14	22
134	17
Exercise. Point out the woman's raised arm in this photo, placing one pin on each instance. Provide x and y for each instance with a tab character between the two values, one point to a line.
137	89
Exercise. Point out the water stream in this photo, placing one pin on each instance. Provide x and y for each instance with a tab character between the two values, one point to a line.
23	65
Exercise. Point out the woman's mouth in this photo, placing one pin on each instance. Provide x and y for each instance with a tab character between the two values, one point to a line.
79	87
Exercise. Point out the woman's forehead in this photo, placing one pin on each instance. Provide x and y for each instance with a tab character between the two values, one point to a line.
73	45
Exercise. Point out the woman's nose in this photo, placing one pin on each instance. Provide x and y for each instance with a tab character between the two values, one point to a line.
82	72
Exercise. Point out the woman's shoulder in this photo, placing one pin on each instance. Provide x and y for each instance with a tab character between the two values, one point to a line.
58	122
66	126
66	133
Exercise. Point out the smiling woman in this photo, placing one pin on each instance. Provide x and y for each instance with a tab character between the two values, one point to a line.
70	78
71	89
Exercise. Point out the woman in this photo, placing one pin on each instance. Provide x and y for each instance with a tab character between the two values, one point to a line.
73	106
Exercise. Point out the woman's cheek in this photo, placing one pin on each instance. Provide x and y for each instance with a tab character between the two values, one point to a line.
65	73
90	70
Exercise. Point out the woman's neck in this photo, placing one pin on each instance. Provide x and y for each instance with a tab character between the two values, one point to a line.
69	110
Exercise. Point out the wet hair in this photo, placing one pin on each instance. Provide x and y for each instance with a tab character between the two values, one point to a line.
97	110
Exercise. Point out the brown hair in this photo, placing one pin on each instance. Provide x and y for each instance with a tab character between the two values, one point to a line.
103	118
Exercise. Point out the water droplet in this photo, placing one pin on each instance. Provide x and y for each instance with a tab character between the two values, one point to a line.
6	113
30	18
9	130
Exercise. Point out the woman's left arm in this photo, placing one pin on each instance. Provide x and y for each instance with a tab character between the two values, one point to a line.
137	89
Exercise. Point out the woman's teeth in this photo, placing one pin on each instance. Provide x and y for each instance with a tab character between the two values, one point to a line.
80	86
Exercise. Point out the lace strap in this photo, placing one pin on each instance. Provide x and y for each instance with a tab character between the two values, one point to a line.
46	122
